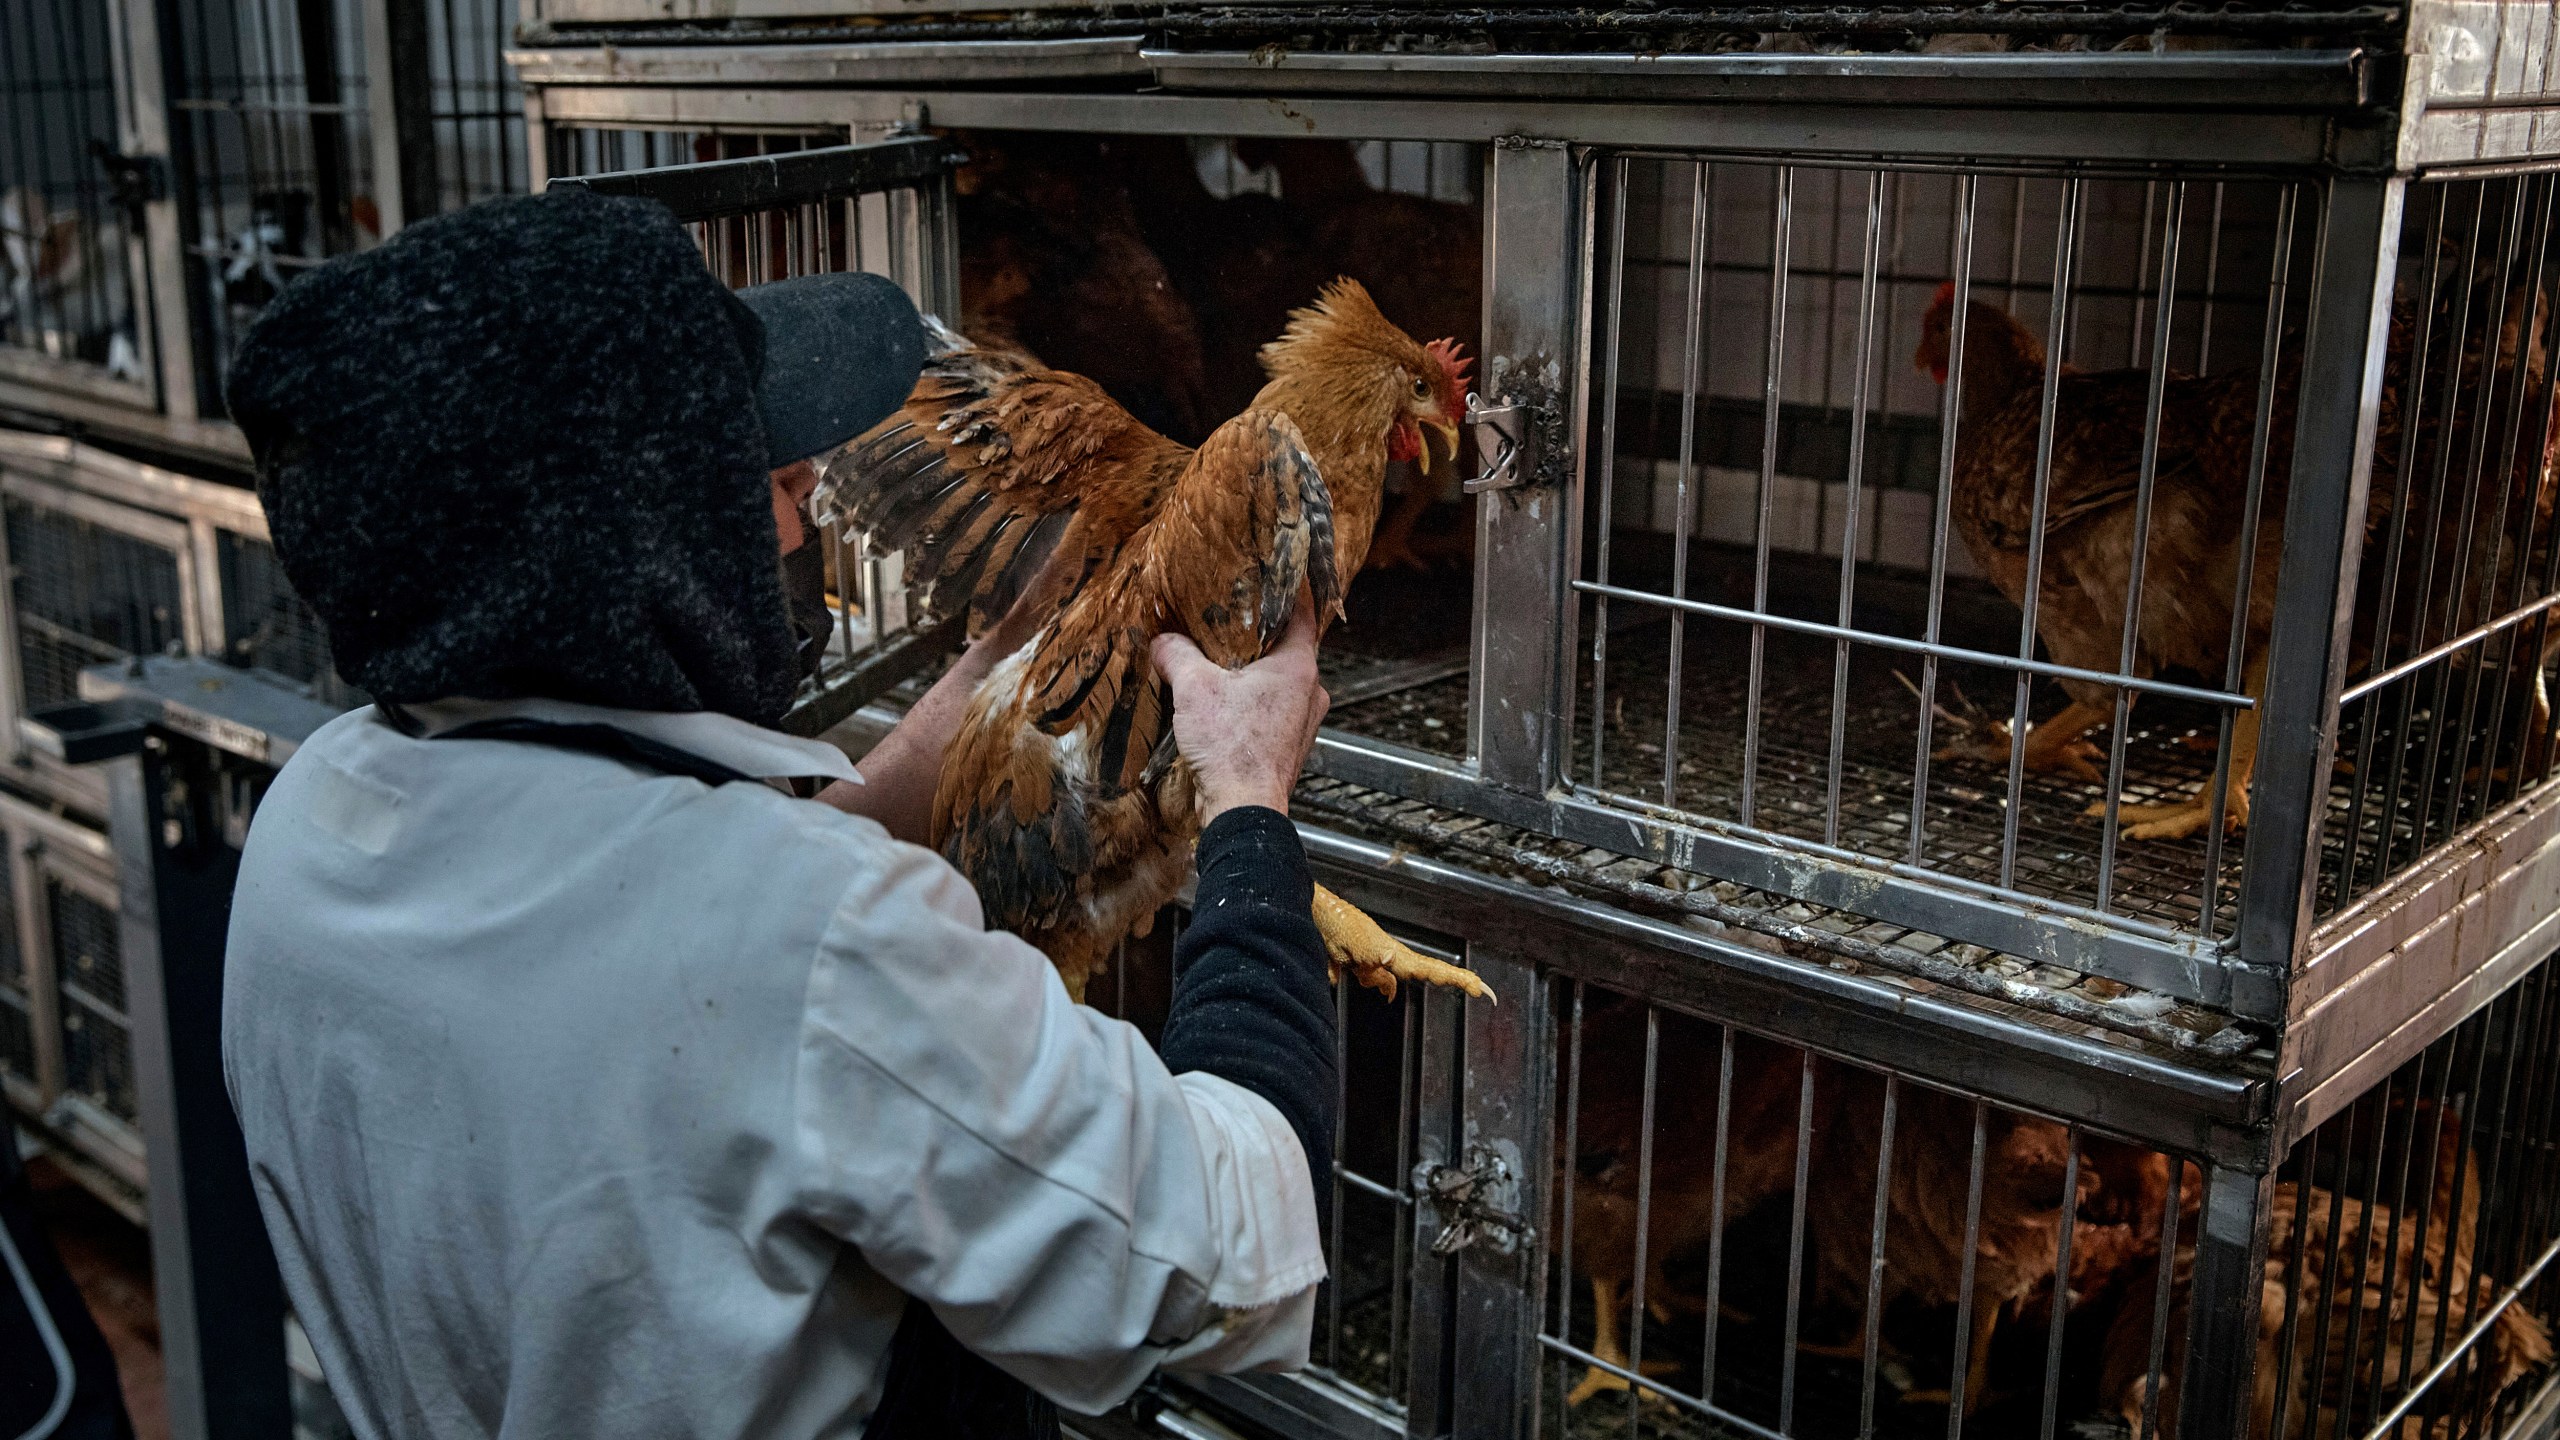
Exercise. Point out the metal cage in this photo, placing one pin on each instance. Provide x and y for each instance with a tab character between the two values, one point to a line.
168	168
66	1041
110	558
1741	774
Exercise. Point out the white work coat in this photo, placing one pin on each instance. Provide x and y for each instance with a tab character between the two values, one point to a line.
587	1100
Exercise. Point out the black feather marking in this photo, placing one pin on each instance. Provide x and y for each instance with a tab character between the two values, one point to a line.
938	537
1032	553
1065	710
952	588
1114	753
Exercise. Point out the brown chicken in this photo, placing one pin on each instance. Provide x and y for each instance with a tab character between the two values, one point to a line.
1062	796
2017	1245
2195	547
2325	1244
1422	258
1053	264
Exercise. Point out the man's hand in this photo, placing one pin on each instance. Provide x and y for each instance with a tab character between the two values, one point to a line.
1246	732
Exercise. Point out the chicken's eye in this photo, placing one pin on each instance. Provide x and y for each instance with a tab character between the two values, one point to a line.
1421	388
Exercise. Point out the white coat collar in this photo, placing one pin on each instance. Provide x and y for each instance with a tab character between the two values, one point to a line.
748	749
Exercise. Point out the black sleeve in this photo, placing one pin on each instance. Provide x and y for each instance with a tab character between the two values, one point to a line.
1251	1003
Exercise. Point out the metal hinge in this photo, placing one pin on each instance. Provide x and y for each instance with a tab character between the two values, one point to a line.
1477	1202
1506	436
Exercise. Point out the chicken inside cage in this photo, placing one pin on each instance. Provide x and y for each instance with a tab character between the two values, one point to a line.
1723	1201
1939	519
65	284
1756	1238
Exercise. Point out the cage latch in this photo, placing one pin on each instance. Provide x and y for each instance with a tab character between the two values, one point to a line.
1476	1202
1505	436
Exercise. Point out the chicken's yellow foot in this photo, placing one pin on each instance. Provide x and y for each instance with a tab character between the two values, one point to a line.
1377	959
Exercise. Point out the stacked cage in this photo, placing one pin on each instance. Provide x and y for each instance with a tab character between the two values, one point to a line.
1993	734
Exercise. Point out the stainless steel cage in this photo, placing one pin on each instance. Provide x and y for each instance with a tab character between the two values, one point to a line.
169	167
1724	620
66	1041
110	558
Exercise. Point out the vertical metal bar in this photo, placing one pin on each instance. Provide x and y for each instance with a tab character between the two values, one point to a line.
1715	1203
1333	1231
1644	1212
2142	279
1408	1120
1795	1249
1965	1297
1608	520
2531	418
1875	1260
1684	501
1773	383
2476	1033
1506	1065
2365	1239
163	279
2308	1161
2057	332
2146	485
2160	1300
2213	279
1519	687
1870	257
2359	237
1566	1171
2253	513
2227	1286
1950	418
2068	1210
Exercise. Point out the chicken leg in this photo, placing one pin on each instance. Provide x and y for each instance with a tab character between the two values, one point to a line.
1377	959
2054	747
1609	1346
2192	815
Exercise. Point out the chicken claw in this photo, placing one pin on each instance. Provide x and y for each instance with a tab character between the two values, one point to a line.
2176	822
1377	959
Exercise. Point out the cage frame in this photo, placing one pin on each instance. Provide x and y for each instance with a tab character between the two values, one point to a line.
181	514
46	847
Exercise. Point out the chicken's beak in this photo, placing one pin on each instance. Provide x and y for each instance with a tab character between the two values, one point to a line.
1448	432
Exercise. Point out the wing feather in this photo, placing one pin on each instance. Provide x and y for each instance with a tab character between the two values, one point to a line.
989	450
1085	719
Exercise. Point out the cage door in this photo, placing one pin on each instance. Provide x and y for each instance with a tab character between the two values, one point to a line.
84	218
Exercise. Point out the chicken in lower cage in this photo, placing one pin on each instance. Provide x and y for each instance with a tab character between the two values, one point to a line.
2118	1194
2360	1302
1062	798
2196	545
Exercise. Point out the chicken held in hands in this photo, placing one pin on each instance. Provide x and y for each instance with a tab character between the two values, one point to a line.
2191	564
1063	797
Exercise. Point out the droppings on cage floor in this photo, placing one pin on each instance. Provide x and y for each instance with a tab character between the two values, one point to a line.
2054	996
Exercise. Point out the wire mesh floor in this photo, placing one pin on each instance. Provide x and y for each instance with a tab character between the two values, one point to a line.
2057	855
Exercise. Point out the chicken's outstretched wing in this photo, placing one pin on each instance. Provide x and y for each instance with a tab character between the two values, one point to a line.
993	464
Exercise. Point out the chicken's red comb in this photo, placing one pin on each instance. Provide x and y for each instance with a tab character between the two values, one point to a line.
1452	363
1946	295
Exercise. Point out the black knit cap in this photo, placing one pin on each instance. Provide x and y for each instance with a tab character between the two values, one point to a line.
517	451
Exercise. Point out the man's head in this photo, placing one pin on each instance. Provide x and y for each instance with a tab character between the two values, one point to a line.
528	449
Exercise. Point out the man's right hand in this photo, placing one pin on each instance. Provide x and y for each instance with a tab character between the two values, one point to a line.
1246	732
